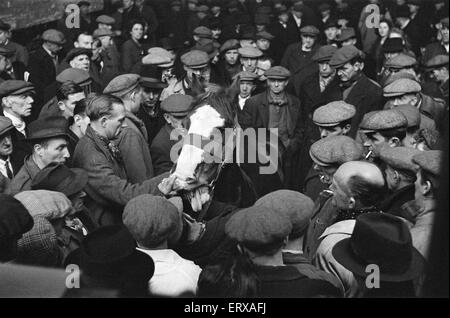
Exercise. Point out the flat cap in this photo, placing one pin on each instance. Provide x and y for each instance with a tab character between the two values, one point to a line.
231	44
398	75
393	45
411	113
247	76
203	32
399	157
195	59
5	125
150	82
383	120
324	7
333	113
177	104
295	205
401	61
331	23
437	61
48	127
6	51
298	7
250	52
15	87
4	26
335	150
78	76
277	72
122	84
310	30
430	161
264	35
262	19
54	36
159	57
175	3
208	48
98	33
258	228
202	8
344	55
346	34
73	53
324	53
401	87
105	19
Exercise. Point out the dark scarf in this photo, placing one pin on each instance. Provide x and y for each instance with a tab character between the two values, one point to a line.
277	100
113	149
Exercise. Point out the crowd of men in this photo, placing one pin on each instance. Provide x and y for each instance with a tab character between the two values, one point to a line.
361	111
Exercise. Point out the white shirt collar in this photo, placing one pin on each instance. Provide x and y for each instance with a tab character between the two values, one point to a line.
17	122
297	20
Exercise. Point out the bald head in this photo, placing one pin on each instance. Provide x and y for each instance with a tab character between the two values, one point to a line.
357	184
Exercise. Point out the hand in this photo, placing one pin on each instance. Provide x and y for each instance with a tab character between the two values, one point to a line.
166	185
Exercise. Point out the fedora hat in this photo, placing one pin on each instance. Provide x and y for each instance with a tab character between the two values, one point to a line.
384	240
109	253
47	127
60	178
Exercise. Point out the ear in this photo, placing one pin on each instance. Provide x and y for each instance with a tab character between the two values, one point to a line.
103	121
37	148
61	105
71	63
396	177
167	118
346	129
426	188
351	203
394	142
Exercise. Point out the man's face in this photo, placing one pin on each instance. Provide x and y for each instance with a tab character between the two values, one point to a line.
3	36
249	64
331	33
308	41
332	131
413	8
325	173
325	70
55	152
283	17
391	178
298	14
200	73
68	105
113	124
347	72
440	75
341	196
137	31
175	122
150	98
53	47
375	142
445	35
127	3
6	146
106	41
166	74
277	85
263	44
231	56
21	105
215	9
192	6
81	62
84	41
407	99
216	33
261	67
105	26
246	88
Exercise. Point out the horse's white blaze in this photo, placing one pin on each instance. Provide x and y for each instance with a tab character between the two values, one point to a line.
203	122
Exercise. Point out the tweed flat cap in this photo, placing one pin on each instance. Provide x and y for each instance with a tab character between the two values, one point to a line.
231	44
203	32
258	228
73	53
324	53
437	61
54	36
5	125
430	161
250	52
105	19
335	150
159	57
333	113
177	104
399	158
344	55
262	19
411	113
50	205
247	76
6	51
277	72
393	45
310	30
401	87
76	75
398	75
264	35
383	120
151	219
346	34
15	87
122	84
195	59
297	206
98	33
401	61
